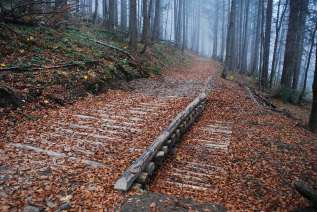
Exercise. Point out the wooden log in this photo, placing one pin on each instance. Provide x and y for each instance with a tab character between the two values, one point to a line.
143	178
114	48
150	168
32	68
170	143
307	192
131	174
159	158
165	149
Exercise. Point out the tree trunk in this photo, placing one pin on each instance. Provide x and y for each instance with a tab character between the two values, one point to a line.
301	96
157	20
257	37
96	12
133	26
146	24
124	14
313	114
111	15
215	39
244	66
267	39
223	29
298	10
279	21
230	40
105	12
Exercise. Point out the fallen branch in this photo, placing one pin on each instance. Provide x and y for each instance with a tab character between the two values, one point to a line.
37	68
114	47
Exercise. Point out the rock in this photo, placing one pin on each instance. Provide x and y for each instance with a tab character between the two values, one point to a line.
9	97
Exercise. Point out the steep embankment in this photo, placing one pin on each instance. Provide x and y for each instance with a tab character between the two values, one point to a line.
56	66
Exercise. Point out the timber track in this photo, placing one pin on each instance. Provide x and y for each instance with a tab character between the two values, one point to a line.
71	157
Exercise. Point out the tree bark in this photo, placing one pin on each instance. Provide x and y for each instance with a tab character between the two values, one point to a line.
157	20
96	12
313	114
244	66
298	10
146	24
257	37
279	21
215	39
230	41
133	25
267	41
111	14
302	94
124	14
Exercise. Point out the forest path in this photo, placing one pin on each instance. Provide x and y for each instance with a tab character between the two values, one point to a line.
240	155
71	156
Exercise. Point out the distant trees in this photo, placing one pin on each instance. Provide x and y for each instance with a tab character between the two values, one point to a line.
239	33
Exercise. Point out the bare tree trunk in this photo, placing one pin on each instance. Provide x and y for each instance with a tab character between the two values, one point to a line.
313	114
157	20
111	14
184	25
146	24
307	64
215	39
291	58
124	15
279	21
223	29
267	42
133	26
255	51
244	66
230	40
96	12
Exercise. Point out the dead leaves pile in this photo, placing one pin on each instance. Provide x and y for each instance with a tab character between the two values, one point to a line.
35	179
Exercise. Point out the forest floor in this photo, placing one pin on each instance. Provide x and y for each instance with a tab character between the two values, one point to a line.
240	154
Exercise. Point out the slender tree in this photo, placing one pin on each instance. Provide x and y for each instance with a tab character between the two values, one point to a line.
157	21
215	39
267	41
229	65
312	41
124	15
278	26
146	23
133	25
96	12
244	65
313	114
257	38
